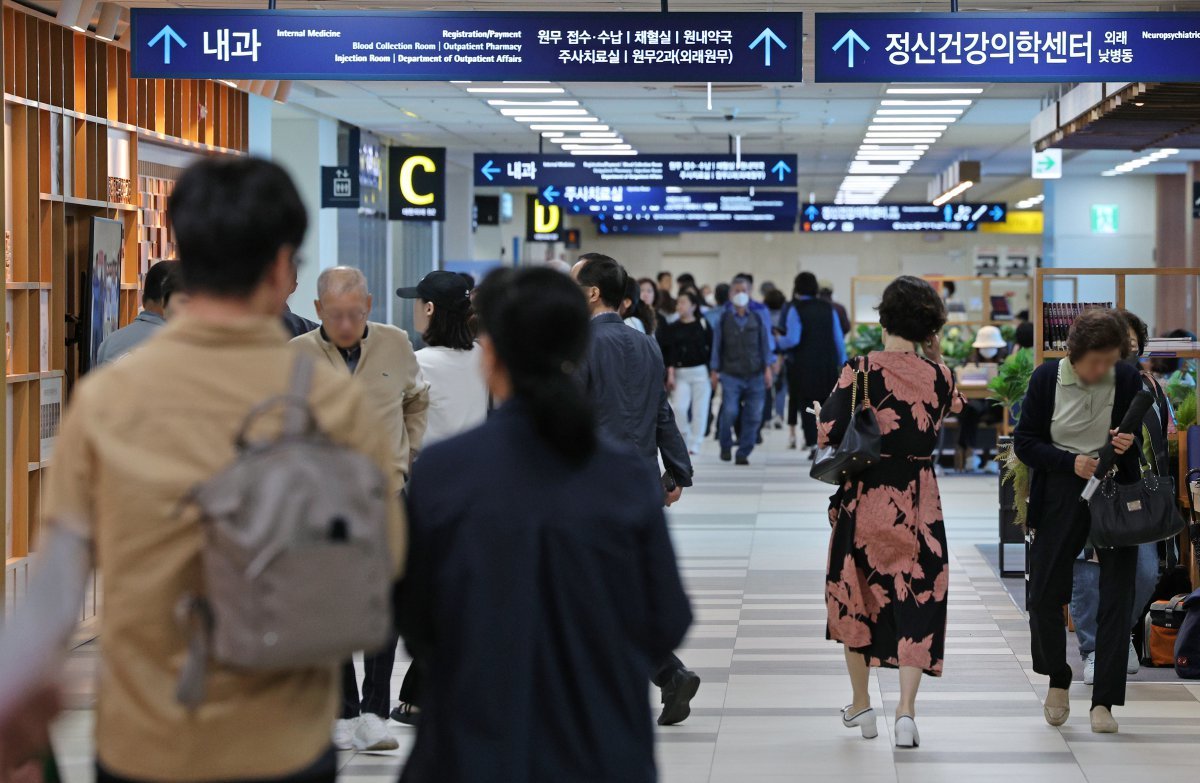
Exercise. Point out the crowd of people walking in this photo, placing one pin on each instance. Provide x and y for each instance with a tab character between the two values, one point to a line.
523	459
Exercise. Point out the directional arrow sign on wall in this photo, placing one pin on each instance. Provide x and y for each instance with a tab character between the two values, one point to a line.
1047	164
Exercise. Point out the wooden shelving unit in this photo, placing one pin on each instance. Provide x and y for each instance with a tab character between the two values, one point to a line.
1121	277
987	285
74	122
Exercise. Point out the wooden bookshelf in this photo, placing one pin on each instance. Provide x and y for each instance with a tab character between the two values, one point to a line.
987	286
74	121
1121	278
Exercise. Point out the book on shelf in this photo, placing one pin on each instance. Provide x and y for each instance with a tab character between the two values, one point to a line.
1169	345
1057	318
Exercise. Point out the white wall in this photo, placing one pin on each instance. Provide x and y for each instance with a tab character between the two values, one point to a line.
1071	243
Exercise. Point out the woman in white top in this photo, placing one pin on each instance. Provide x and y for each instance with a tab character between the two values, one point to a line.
458	395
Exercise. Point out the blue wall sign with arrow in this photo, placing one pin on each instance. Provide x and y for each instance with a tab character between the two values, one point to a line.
466	45
1007	47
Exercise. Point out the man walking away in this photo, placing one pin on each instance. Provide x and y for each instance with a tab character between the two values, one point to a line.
623	375
816	348
162	280
826	293
381	357
117	496
741	362
296	324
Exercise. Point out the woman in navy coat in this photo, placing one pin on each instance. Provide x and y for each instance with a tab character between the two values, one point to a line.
541	583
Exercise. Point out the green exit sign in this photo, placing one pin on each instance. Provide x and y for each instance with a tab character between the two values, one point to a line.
1105	218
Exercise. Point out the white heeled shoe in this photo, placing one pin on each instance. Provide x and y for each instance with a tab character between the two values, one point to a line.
864	719
907	735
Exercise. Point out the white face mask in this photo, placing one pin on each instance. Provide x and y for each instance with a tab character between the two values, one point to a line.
988	353
741	299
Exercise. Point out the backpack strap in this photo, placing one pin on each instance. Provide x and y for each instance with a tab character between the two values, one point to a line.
297	417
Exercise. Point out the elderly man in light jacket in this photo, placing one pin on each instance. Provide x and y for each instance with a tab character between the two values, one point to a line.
381	357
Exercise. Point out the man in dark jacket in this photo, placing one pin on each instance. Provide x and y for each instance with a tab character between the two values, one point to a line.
815	343
624	376
296	325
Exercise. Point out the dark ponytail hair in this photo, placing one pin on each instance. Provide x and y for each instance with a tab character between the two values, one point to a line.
538	321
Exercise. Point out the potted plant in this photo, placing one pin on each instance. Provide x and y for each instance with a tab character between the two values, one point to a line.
1008	388
864	339
956	345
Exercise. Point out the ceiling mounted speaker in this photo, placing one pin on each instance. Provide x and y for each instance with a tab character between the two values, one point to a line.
76	13
110	20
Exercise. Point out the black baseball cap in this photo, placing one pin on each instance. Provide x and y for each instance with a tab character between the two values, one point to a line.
444	289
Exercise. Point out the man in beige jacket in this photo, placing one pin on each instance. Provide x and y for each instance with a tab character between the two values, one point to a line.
381	358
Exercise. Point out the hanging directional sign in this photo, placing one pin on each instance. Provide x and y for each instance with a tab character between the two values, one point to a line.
339	187
397	46
658	212
684	170
543	222
417	183
819	218
1006	47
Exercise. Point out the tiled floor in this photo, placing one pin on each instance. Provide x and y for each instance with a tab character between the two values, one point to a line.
751	543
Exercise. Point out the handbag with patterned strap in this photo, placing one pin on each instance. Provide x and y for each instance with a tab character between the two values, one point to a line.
860	445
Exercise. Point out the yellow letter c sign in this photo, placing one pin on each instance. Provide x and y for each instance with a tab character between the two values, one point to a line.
406	179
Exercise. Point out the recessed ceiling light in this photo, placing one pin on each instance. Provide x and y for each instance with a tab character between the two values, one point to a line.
500	102
923	112
571	126
600	134
907	120
958	189
540	112
517	90
906	128
606	153
954	102
582	140
934	90
551	134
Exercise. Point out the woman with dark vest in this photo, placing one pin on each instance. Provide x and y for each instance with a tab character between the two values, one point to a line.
815	346
1070	412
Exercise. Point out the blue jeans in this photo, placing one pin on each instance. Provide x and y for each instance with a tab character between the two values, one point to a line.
742	397
1085	595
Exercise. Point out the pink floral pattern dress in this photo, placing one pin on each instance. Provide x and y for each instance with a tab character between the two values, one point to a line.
888	572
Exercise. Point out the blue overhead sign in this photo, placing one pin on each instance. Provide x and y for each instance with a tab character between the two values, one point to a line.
1005	47
443	46
823	218
656	211
684	170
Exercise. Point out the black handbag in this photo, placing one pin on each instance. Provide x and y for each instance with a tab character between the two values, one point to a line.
860	445
1141	512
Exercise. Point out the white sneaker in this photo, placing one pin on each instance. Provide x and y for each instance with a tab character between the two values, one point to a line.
1089	669
1134	665
372	734
343	733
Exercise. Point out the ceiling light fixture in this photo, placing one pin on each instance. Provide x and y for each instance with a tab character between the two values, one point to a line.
569	126
501	102
906	128
1137	163
541	112
934	90
954	181
1031	202
904	120
927	103
922	112
517	90
606	153
582	140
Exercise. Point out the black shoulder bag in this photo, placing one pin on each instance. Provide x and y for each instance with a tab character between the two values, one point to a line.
860	445
1141	512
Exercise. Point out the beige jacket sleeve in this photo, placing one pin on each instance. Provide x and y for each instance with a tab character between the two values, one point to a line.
416	402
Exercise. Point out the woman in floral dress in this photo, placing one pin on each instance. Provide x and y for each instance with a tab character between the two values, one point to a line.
888	563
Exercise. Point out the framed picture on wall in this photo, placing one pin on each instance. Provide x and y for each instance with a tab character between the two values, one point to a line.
106	251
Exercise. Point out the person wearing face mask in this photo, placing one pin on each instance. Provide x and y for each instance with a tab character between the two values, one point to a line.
742	356
989	348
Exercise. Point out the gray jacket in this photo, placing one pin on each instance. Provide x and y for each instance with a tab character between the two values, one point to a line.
129	337
624	376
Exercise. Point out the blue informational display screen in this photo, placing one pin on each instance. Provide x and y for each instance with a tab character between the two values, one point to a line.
442	46
656	211
821	218
683	170
1002	47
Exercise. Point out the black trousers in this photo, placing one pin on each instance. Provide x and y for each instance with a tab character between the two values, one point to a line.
974	413
377	680
323	770
413	684
667	670
1062	531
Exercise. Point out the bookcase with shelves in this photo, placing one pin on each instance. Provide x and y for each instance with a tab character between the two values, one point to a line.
74	120
1049	337
975	293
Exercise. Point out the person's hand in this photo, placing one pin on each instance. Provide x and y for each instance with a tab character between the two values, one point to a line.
716	378
670	379
767	376
1122	441
26	732
833	515
1085	467
673	497
933	348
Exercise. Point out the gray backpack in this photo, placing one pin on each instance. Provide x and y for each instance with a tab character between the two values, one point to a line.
296	561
